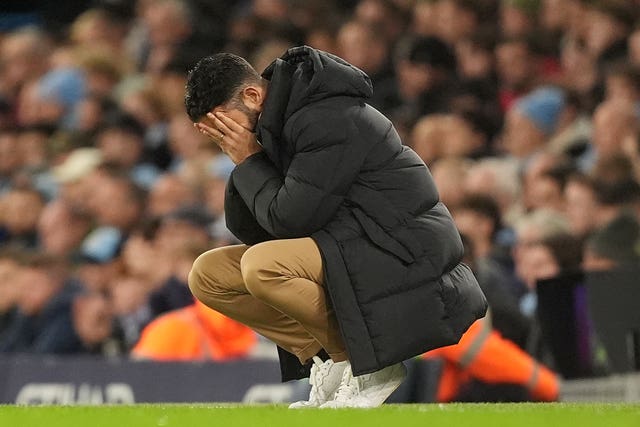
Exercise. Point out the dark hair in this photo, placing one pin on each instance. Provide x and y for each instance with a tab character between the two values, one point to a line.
123	121
484	206
215	80
566	250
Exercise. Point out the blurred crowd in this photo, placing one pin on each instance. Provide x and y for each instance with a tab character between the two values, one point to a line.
526	111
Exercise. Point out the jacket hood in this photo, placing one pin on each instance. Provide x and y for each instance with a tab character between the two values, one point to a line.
304	75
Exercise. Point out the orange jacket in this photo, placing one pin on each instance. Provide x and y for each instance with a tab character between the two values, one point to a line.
195	332
484	355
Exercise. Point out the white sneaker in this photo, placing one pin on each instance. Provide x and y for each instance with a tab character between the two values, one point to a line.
325	379
369	390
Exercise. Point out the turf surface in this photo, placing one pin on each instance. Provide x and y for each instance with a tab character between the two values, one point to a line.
451	415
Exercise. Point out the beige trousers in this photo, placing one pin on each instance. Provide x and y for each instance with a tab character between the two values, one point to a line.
276	289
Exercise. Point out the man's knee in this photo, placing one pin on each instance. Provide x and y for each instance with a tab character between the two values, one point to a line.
197	282
258	268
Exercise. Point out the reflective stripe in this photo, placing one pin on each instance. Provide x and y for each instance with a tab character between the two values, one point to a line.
535	376
190	315
469	356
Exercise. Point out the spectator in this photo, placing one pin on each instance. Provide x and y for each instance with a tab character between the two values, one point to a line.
93	322
615	123
581	204
194	333
517	68
170	192
533	260
21	208
623	82
497	371
10	160
24	54
634	47
616	245
609	24
518	17
424	71
62	229
368	49
458	19
168	23
129	297
9	292
497	178
121	143
532	121
478	218
44	320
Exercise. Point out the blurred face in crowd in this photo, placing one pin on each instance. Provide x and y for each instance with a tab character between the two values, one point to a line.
358	45
169	193
184	140
614	122
177	234
474	62
514	21
92	318
619	87
272	10
22	57
461	140
545	192
428	137
537	263
554	14
425	18
603	31
166	22
60	230
449	176
634	48
414	78
96	277
120	147
580	208
115	204
128	294
454	21
10	158
142	106
21	210
171	86
9	290
37	287
521	137
477	227
515	64
33	148
377	14
214	195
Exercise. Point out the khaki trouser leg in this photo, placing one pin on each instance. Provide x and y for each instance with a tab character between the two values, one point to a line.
275	289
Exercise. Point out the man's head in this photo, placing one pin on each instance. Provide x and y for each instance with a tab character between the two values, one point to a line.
225	83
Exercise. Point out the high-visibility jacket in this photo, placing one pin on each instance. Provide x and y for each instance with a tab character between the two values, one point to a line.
195	332
483	354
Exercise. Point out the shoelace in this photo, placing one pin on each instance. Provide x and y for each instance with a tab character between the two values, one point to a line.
319	371
349	387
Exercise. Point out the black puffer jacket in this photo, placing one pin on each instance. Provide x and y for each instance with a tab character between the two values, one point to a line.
334	168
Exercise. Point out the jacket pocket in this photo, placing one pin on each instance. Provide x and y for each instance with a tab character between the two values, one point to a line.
382	239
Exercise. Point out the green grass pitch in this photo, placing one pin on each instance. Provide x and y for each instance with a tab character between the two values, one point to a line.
430	415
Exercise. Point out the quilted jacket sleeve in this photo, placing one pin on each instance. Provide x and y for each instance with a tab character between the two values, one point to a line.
325	164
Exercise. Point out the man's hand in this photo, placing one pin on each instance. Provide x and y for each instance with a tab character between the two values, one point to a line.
234	140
